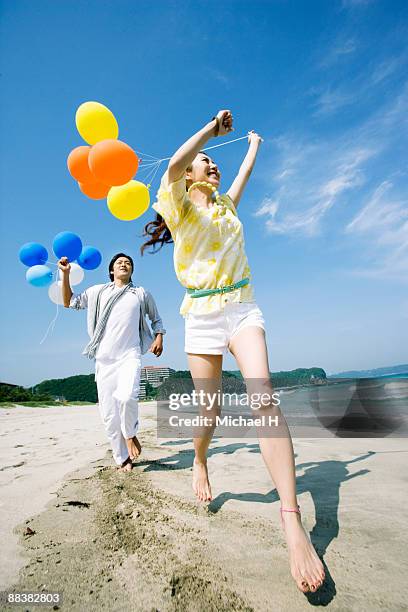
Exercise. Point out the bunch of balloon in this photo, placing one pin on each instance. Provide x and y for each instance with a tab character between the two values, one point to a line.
106	166
65	244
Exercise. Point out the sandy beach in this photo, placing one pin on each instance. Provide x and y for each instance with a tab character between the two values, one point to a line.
111	541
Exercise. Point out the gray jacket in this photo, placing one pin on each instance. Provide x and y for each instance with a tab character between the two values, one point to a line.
88	299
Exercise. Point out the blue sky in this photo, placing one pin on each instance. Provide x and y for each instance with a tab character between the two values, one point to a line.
325	212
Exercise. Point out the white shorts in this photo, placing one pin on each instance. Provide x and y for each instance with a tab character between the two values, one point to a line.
210	334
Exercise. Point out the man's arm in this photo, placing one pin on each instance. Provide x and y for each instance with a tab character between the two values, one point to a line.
76	301
65	268
237	188
156	324
153	314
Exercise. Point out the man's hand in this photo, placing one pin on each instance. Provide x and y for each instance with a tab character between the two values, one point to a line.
157	345
64	265
225	122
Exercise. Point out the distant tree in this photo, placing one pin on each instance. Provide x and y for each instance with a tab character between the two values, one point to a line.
14	393
74	388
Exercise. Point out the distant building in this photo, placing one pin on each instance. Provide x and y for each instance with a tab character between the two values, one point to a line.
142	389
317	380
155	375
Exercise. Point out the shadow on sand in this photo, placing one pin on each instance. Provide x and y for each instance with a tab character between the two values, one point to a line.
322	479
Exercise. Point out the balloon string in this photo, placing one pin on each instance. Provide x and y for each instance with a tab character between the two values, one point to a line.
152	167
222	144
153	173
51	326
149	165
149	170
140	153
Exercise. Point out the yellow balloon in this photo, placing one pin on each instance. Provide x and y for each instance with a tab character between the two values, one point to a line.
129	201
96	122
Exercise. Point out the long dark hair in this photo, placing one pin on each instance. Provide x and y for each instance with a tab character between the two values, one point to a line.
159	234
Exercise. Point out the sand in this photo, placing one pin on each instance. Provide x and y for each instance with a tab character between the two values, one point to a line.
112	541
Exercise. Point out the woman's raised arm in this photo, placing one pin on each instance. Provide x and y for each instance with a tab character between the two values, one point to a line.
184	156
237	188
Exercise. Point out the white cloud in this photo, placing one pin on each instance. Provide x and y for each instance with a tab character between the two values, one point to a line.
316	180
383	224
336	94
345	47
386	69
331	100
219	76
311	177
341	49
376	215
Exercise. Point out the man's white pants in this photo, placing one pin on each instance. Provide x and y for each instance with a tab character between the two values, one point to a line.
118	390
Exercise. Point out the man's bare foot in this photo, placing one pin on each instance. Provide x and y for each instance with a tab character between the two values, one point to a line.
127	466
306	568
201	484
134	447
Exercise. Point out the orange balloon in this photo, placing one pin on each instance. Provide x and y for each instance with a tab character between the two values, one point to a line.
94	189
77	163
113	162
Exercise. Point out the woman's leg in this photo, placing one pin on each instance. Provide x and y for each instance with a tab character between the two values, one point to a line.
206	371
249	349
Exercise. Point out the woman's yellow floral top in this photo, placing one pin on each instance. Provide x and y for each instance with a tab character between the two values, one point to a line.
209	250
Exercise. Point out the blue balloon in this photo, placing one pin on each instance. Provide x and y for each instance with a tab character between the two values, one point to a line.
90	258
67	244
33	254
39	276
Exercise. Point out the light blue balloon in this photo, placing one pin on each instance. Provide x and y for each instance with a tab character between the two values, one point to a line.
67	244
33	254
90	258
39	276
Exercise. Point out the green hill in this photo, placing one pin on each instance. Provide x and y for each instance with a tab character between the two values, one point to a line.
82	388
232	382
14	394
293	378
74	388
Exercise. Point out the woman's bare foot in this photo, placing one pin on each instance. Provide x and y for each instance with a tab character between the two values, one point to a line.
127	466
134	447
306	568
201	484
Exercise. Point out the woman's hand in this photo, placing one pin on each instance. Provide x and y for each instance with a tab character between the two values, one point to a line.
224	122
64	265
254	138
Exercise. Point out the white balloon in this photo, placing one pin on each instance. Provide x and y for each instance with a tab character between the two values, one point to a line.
55	293
76	275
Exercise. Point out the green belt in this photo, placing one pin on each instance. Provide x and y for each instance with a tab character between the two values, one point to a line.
195	293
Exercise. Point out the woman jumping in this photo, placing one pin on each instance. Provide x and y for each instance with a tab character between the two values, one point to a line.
221	313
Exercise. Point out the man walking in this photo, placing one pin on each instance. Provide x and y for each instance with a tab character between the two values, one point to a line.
119	336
